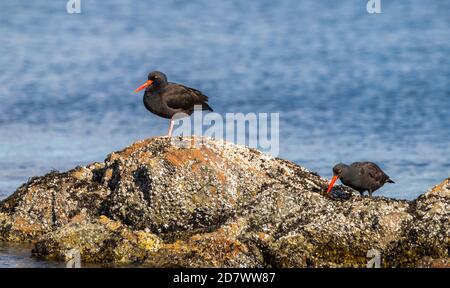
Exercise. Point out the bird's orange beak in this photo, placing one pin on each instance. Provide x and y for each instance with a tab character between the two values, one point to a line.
335	178
143	86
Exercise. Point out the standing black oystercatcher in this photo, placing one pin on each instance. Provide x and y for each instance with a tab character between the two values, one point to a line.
361	176
166	99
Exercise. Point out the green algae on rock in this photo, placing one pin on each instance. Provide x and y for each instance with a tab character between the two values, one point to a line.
219	205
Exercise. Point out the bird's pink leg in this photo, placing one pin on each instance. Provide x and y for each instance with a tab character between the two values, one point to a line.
170	128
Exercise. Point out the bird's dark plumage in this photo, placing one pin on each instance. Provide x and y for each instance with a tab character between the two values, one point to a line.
191	97
362	176
167	99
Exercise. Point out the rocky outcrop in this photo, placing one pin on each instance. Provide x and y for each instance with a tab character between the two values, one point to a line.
166	203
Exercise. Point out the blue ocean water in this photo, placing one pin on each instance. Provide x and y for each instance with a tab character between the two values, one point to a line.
348	85
14	255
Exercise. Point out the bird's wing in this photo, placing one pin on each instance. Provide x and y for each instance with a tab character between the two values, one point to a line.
182	97
360	165
372	170
196	92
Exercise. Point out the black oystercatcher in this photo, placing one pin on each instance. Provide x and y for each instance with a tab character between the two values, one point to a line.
166	99
361	176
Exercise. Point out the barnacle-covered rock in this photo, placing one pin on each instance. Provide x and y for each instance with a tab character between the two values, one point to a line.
44	204
185	202
99	240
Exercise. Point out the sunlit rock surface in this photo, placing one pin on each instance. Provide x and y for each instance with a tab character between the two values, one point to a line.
216	204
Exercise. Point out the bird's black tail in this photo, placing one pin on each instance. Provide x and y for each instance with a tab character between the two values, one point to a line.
390	181
205	106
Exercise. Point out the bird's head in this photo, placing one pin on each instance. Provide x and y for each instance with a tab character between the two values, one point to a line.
338	171
155	80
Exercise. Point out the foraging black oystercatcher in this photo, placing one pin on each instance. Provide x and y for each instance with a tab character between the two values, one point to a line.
361	176
166	99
